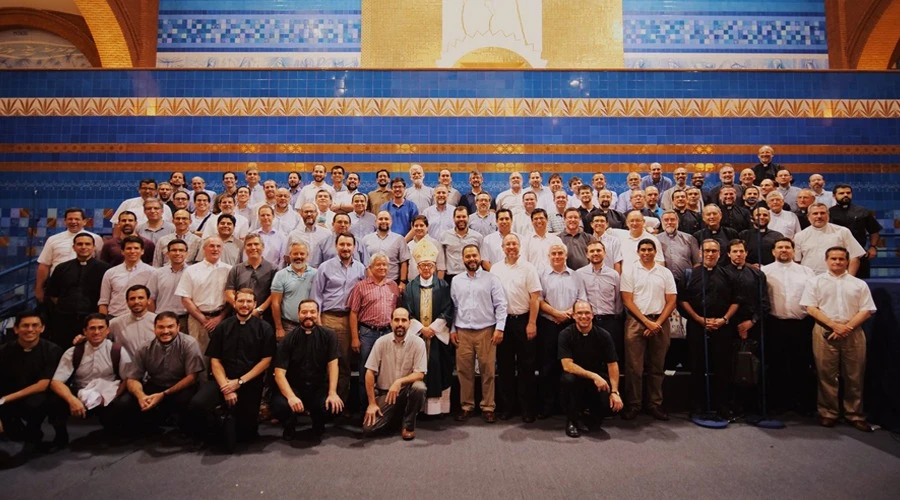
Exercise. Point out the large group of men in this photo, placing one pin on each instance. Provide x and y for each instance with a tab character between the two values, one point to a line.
203	307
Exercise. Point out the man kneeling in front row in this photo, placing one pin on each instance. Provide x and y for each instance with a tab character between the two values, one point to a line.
306	372
240	350
395	372
87	379
163	376
585	351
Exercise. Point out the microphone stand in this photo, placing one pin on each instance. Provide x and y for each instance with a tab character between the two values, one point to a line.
709	418
762	421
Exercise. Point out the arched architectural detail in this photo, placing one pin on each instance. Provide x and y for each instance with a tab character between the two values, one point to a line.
114	49
72	28
879	45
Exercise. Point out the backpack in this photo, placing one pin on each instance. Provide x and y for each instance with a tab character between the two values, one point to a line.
115	354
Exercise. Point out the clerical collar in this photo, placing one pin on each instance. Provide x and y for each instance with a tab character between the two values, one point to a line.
425	282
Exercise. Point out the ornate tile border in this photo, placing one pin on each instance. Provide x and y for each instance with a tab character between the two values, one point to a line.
420	149
454	107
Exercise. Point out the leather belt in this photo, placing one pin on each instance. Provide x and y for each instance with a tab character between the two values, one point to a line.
385	328
606	317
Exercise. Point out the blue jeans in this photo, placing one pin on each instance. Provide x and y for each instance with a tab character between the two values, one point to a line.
367	338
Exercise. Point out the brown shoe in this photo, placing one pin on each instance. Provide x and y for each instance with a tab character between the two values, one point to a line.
862	425
827	422
463	415
408	434
489	416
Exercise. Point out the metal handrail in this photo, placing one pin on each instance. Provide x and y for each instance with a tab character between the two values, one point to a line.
17	267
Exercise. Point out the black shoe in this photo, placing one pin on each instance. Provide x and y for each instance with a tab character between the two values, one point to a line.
582	427
504	415
62	437
318	428
544	415
658	413
631	413
528	418
229	428
572	430
290	429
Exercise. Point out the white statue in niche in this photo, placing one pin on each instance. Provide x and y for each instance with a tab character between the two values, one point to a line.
514	25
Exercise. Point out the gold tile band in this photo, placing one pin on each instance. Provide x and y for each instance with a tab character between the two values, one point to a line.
452	107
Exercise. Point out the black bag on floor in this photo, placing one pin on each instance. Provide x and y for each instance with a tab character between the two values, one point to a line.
746	364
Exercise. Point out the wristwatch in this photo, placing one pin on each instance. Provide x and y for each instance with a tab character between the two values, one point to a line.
725	319
240	381
614	392
2	401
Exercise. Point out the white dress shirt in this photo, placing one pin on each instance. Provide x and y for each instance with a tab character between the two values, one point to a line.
786	283
204	283
839	297
785	223
59	248
812	242
519	281
536	248
649	287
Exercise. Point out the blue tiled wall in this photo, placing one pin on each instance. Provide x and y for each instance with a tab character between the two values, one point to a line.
50	159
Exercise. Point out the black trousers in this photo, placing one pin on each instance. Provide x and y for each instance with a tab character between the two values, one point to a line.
791	379
746	399
515	366
23	417
173	405
549	367
313	397
209	397
63	328
616	328
113	416
721	344
577	393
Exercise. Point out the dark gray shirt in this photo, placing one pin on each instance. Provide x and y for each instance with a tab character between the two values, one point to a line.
163	365
243	275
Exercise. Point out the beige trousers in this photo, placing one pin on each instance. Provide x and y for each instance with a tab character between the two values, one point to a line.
476	344
845	358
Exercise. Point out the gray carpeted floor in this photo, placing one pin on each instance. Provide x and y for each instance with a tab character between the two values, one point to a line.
474	460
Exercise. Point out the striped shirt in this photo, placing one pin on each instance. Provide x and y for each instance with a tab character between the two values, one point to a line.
374	302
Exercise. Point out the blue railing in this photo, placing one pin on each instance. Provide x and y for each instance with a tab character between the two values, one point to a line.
17	287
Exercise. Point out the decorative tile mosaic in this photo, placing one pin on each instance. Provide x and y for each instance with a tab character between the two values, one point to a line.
297	32
706	33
